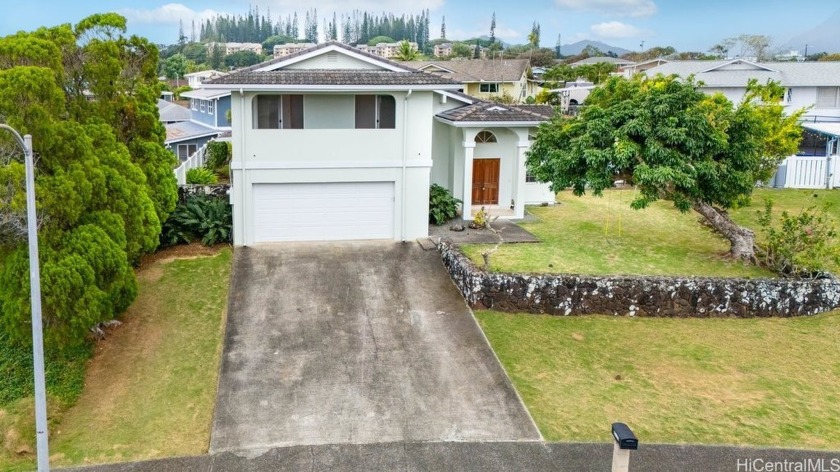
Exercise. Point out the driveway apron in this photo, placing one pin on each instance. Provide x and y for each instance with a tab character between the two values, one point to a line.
361	342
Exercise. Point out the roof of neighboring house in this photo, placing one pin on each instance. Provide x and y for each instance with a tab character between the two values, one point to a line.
488	112
186	130
170	112
205	94
736	73
475	70
600	59
348	77
831	129
205	73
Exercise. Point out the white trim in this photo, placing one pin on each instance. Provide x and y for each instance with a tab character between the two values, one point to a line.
468	144
332	88
455	97
436	66
187	138
738	61
491	124
390	164
523	144
330	48
206	96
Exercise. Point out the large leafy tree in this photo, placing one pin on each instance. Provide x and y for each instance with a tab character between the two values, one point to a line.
674	143
104	181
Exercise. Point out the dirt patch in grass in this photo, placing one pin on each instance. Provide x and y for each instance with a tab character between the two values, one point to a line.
150	387
760	382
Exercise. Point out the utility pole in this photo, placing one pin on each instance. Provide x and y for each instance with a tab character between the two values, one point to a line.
41	436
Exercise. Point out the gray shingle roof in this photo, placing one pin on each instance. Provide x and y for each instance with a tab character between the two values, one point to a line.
789	74
184	130
476	70
495	112
332	77
171	112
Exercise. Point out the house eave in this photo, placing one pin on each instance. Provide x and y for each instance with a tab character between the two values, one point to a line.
485	124
331	88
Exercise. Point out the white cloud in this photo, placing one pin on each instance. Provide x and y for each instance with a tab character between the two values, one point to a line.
614	7
615	30
169	13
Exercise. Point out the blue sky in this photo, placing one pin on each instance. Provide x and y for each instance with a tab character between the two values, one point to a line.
688	25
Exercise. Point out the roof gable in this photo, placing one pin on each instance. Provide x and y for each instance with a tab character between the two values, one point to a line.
320	56
739	64
434	68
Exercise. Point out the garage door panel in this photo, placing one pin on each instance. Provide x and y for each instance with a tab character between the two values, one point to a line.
323	211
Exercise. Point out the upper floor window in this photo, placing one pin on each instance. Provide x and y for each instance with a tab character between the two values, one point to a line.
203	105
211	107
278	112
485	137
828	97
488	88
376	111
194	104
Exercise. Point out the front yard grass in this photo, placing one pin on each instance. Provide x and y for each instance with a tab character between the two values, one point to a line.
581	235
761	382
151	386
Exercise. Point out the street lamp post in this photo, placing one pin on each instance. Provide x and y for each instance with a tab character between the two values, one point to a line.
41	436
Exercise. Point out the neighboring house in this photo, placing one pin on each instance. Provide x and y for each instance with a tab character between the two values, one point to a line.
210	107
183	135
230	48
443	50
485	78
811	85
573	94
195	79
386	50
283	50
640	67
333	143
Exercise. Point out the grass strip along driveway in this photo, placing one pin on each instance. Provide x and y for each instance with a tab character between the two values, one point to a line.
762	382
151	385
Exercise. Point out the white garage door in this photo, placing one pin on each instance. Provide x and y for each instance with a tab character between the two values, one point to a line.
323	211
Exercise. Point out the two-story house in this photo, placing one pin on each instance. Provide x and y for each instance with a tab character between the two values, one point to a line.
333	143
485	78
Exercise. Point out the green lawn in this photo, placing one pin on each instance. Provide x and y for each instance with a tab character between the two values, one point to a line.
150	387
604	236
763	382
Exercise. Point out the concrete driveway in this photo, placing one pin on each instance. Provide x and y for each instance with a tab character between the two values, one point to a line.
356	343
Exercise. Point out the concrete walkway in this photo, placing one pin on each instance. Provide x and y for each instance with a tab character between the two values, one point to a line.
356	343
485	457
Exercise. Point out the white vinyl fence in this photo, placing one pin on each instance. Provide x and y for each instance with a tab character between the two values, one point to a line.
196	160
811	172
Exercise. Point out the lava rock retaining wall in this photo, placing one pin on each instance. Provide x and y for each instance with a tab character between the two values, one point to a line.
637	296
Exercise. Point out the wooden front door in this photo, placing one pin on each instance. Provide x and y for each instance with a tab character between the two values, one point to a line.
485	179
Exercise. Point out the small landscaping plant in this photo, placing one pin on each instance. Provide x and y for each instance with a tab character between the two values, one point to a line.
442	205
480	219
800	245
201	176
209	219
218	155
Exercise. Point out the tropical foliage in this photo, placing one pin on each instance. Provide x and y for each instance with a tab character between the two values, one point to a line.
208	219
442	205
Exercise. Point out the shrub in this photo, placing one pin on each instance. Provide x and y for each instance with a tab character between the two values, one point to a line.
201	176
218	155
802	245
209	219
442	205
